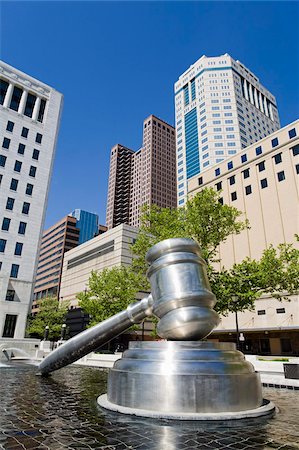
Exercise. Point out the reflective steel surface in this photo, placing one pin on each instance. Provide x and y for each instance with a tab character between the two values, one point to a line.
60	412
181	291
184	377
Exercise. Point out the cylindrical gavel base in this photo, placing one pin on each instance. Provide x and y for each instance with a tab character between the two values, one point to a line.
190	380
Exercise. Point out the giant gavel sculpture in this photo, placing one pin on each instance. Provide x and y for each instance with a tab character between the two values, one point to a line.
181	375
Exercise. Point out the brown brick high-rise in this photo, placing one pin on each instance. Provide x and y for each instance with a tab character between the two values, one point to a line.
145	177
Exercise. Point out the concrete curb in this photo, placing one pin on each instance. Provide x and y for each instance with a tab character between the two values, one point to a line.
268	409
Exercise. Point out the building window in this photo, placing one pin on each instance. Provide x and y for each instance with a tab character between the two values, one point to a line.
200	181
244	158
22	227
21	149
230	165
2	161
9	126
38	138
297	168
248	189
16	98
261	312
31	99
25	132
41	112
292	133
2	245
280	310
35	154
278	158
264	183
281	176
232	179
220	200
246	173
14	270
9	325
258	151
233	196
261	166
295	150
217	172
274	142
3	90
29	189
5	224
26	207
18	166
18	248
14	184
219	186
32	171
6	143
10	203
10	295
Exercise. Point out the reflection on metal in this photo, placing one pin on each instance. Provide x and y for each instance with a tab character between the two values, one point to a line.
181	291
182	376
92	338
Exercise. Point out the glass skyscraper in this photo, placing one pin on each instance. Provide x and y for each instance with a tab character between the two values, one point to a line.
88	224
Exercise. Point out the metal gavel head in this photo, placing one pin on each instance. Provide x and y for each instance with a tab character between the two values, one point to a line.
181	291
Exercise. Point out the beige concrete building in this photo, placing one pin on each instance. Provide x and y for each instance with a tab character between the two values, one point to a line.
102	252
145	177
261	181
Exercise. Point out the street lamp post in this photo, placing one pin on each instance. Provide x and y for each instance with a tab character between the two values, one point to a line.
63	331
46	333
235	300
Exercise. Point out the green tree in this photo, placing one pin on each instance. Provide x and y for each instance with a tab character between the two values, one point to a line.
276	274
203	219
50	314
109	292
208	222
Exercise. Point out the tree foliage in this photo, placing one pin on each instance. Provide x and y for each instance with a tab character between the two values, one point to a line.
208	222
109	292
50	314
203	219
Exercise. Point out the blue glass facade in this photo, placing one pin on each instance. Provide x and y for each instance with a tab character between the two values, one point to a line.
87	223
191	141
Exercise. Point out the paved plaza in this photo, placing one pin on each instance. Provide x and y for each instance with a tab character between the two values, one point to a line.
60	412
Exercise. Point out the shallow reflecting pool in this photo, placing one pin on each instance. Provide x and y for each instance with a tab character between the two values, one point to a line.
60	412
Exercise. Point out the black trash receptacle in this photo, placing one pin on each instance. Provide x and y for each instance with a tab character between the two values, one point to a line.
291	371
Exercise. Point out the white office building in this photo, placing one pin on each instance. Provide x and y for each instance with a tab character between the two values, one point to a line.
220	107
29	121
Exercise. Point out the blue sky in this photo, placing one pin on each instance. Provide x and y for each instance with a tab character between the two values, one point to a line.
116	63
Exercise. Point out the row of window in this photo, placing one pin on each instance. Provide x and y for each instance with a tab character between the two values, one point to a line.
21	149
14	186
18	166
15	101
10	205
24	133
6	224
18	247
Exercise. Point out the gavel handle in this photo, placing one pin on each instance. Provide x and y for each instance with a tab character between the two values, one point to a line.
92	338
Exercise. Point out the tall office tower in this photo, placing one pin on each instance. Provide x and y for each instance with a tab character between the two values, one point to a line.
119	186
29	122
88	224
220	108
56	240
145	177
